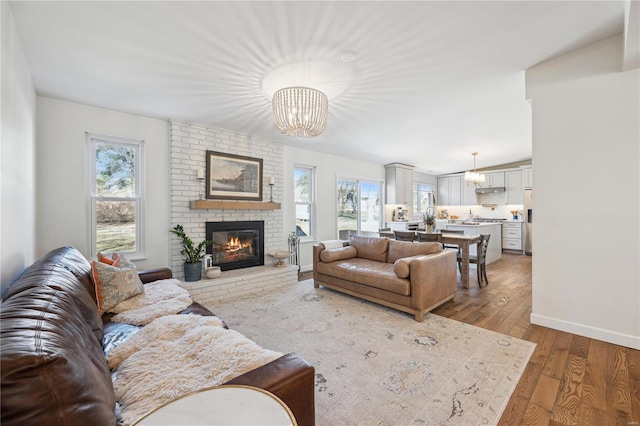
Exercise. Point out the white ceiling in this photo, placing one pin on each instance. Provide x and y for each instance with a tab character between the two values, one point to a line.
432	82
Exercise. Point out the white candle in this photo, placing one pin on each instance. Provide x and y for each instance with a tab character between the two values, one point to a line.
271	180
200	173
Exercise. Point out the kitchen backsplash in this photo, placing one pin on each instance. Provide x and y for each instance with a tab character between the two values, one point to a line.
499	212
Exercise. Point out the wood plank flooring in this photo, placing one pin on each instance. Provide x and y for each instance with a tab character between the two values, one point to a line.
570	379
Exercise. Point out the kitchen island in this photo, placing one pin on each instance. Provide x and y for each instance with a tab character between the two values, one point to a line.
494	251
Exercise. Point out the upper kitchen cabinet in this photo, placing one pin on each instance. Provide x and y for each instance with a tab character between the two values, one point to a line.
527	174
493	179
399	179
514	187
450	190
469	197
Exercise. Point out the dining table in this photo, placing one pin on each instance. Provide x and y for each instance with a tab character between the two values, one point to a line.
464	241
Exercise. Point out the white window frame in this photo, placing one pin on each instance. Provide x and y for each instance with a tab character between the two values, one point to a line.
431	190
312	202
139	197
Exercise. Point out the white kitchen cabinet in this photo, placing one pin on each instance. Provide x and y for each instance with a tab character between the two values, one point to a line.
514	187
469	197
527	175
493	179
512	236
399	181
450	190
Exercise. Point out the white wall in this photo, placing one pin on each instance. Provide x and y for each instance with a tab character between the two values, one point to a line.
587	194
328	168
17	155
62	207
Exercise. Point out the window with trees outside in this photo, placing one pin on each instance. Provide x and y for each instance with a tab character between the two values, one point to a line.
423	197
116	195
359	207
304	199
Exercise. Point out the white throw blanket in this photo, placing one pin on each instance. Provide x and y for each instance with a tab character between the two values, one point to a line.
176	355
160	298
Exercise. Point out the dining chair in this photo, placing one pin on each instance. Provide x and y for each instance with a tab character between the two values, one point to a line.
405	235
386	232
479	259
429	237
449	245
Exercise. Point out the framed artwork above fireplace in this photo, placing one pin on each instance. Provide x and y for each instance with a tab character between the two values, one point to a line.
233	177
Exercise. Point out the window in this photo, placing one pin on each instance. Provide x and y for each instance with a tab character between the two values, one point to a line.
359	207
423	197
116	195
304	199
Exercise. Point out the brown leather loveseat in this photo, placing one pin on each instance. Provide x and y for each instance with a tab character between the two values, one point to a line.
413	277
54	370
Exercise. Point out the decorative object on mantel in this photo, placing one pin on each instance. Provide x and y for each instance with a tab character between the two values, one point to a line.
233	177
474	177
200	177
271	183
232	205
281	255
300	111
192	254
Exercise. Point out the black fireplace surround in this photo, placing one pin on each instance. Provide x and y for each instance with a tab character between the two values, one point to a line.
236	245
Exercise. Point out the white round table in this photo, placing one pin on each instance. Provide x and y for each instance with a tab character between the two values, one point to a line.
222	405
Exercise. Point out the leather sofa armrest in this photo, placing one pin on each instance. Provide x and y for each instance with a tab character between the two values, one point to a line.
291	379
433	278
151	275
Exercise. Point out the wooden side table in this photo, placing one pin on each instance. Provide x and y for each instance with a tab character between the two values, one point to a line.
222	405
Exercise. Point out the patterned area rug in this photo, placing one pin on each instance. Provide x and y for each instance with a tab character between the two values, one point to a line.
377	366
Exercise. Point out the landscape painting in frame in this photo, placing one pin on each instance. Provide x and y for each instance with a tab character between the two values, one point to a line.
233	177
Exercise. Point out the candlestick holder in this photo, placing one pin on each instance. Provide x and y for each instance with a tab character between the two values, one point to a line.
271	197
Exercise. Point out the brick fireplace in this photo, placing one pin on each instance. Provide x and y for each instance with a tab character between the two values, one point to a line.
189	143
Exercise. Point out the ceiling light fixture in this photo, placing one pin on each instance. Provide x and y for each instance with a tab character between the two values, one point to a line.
300	111
474	177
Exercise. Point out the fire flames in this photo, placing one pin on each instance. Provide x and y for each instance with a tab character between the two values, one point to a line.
235	247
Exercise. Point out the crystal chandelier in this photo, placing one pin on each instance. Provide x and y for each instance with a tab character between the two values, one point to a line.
474	177
300	111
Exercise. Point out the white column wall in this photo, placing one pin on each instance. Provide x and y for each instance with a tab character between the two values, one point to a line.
62	206
586	196
17	154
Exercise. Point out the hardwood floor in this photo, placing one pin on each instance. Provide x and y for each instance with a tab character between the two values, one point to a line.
570	379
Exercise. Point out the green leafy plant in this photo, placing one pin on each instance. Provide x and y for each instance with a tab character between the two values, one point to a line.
192	253
429	218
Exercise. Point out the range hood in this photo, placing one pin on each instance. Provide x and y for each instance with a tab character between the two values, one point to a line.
489	190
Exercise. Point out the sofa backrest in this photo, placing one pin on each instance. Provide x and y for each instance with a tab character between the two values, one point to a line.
51	360
399	249
372	248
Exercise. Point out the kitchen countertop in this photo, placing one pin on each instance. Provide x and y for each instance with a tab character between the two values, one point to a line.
475	224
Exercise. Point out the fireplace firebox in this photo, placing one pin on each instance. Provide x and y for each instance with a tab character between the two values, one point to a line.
236	245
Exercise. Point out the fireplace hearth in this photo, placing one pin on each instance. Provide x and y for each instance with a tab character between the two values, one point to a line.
236	245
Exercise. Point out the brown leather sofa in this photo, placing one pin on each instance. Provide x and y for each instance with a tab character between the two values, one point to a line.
53	366
413	277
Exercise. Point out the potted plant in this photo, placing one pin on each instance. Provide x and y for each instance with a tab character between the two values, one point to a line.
192	253
429	219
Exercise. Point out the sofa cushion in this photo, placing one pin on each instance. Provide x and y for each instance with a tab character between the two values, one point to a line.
367	272
115	283
399	249
372	248
338	254
402	267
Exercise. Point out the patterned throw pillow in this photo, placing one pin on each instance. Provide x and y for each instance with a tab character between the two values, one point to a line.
115	283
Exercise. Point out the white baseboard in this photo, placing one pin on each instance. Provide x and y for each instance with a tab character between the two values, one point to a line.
583	330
